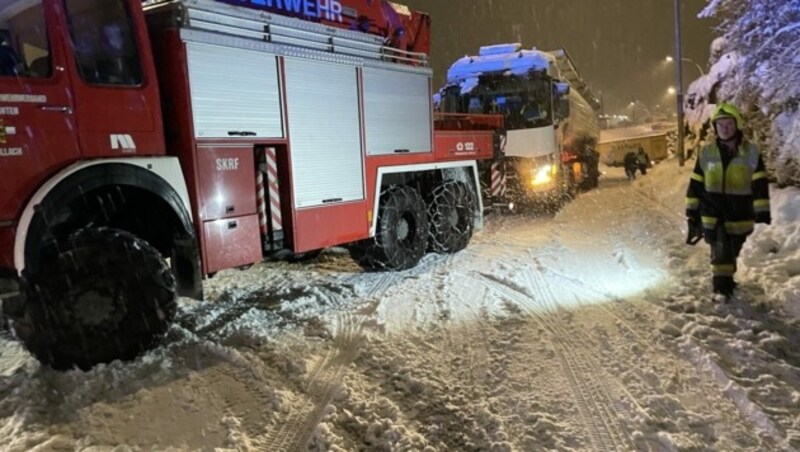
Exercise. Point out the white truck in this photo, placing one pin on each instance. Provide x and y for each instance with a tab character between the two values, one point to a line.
551	122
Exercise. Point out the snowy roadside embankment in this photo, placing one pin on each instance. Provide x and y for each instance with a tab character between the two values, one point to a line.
754	65
770	258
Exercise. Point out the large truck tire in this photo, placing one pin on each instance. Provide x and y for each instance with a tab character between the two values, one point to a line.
7	287
3	319
102	294
591	179
451	213
401	237
572	184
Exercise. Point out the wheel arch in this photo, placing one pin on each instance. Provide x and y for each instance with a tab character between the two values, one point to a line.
154	186
423	177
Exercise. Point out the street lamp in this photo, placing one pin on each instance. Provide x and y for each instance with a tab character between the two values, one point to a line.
671	91
638	107
669	59
679	85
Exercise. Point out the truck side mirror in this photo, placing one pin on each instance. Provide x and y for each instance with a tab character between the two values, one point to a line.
563	107
562	99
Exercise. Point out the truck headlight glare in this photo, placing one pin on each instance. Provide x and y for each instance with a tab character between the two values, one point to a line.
544	175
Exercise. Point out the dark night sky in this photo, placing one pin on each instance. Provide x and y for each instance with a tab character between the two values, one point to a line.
619	46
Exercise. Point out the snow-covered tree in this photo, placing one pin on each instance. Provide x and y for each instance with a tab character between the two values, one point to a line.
703	94
761	76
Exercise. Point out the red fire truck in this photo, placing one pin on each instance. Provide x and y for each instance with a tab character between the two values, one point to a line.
147	145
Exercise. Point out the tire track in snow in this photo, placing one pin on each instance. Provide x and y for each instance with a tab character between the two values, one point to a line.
645	375
485	366
603	392
374	284
712	362
587	379
633	377
696	355
467	291
331	294
519	235
323	383
632	309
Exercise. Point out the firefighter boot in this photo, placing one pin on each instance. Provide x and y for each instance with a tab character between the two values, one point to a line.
724	285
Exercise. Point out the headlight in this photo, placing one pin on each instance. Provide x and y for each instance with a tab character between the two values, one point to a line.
544	175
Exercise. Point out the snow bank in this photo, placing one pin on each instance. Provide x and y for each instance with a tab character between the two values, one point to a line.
770	258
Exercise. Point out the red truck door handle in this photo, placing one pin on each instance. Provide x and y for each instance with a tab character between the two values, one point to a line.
57	108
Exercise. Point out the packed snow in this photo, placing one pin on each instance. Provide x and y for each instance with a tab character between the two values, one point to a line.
593	329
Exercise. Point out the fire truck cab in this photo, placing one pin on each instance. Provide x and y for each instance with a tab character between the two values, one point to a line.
147	145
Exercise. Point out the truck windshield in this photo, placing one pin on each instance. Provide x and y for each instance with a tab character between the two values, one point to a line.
24	50
524	102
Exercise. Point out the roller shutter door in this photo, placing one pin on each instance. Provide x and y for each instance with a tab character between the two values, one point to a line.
234	92
324	129
397	111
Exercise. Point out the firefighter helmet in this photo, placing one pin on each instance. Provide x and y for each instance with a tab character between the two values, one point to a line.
725	110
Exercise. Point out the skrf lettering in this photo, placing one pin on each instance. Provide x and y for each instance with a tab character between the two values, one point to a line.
330	10
228	164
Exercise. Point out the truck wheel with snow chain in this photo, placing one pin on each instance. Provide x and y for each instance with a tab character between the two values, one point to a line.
101	294
401	237
451	212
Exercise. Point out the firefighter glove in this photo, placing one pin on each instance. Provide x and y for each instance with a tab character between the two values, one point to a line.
695	233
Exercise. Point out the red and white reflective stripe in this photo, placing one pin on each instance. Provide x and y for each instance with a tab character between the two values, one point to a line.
273	187
260	197
498	180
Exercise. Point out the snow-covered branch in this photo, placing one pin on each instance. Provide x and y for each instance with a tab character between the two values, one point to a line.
763	78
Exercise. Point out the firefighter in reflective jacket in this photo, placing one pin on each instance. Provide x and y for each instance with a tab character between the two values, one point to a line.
728	192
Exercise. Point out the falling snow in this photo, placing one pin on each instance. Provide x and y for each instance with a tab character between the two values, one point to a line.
591	330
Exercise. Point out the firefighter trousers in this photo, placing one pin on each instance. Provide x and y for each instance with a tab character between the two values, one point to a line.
725	250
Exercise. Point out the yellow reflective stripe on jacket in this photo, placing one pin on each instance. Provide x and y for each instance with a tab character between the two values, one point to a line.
698	177
761	205
723	269
739	227
692	203
708	222
759	175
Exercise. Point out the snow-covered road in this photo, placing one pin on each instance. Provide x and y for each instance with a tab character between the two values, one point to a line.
591	330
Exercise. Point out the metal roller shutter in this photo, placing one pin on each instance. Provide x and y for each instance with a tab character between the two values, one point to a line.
234	92
397	110
322	104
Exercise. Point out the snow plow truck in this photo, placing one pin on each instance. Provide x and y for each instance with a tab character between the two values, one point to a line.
145	146
550	129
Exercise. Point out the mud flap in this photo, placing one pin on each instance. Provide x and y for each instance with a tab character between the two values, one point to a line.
186	267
